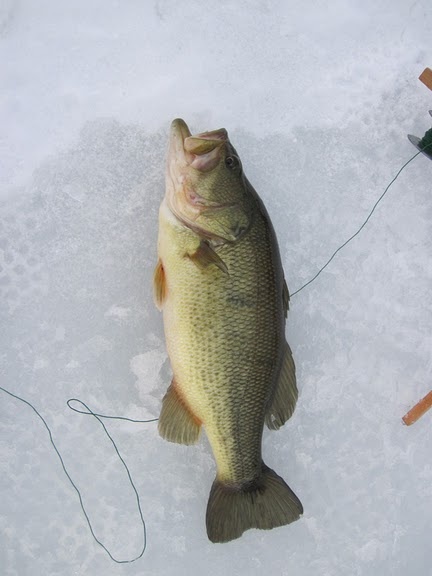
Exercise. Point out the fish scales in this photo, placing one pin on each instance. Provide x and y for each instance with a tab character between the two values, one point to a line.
223	344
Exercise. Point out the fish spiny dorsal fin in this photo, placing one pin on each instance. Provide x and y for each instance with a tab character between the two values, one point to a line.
285	298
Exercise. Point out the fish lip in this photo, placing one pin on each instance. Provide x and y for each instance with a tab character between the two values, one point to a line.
178	159
179	128
178	150
178	133
206	148
220	134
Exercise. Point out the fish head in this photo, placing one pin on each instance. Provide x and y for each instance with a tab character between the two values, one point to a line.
205	186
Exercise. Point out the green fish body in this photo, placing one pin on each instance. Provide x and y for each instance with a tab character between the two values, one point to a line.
220	284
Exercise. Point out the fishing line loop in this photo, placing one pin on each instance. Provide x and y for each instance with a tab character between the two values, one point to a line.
98	417
89	412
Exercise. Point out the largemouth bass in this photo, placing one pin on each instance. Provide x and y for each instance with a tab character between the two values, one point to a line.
220	284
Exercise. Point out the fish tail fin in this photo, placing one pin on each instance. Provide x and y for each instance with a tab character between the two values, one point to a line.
265	503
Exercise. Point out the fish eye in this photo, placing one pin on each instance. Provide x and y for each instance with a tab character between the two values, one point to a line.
231	162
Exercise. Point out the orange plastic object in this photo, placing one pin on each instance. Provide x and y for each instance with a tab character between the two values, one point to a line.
418	410
426	77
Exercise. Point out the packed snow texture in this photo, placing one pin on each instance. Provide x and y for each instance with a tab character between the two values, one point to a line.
318	98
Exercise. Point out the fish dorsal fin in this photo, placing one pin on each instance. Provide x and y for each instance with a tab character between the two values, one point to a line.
285	298
285	394
159	285
176	421
206	255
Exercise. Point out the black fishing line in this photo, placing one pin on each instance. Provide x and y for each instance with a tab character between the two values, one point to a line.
426	142
90	413
98	417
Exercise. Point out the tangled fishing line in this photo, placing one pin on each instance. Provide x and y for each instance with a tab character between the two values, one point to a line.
424	143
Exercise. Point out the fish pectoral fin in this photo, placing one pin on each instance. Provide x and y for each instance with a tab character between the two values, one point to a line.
205	255
159	285
285	394
176	421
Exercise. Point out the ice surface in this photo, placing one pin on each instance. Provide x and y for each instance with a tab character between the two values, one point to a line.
317	98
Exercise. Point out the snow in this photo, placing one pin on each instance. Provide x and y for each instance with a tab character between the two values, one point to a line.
318	98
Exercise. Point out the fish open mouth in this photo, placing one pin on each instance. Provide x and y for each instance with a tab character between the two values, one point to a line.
194	197
202	151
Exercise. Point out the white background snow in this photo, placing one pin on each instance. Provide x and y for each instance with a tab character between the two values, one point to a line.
318	98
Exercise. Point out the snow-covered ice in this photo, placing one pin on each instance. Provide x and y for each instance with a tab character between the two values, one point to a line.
318	98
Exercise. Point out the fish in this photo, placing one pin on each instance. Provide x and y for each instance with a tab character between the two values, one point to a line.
220	285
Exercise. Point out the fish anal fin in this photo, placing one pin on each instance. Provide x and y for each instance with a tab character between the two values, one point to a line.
285	394
206	255
176	421
159	285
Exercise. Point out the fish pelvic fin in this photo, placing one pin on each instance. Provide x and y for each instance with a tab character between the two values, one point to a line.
266	502
176	421
285	395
